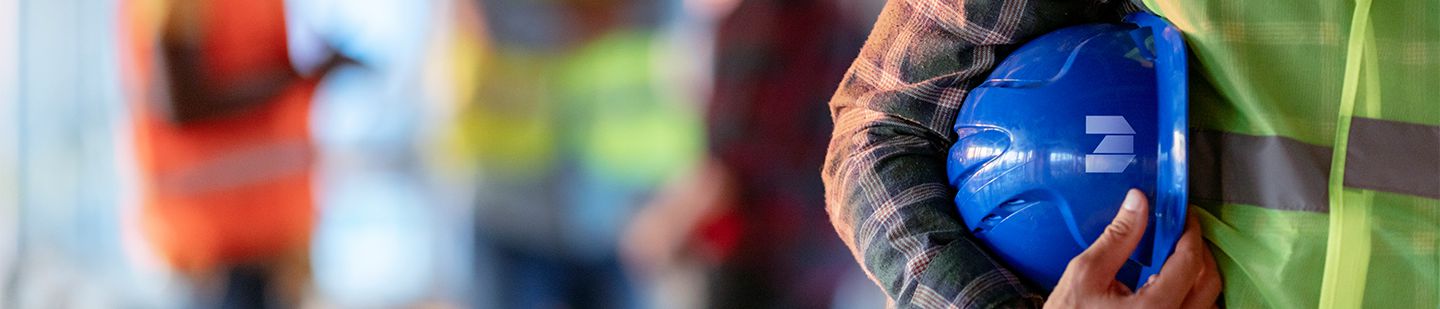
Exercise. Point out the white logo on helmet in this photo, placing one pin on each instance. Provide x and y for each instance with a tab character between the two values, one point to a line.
1115	152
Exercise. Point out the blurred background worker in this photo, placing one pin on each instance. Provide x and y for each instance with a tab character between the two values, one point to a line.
222	144
461	153
751	216
572	124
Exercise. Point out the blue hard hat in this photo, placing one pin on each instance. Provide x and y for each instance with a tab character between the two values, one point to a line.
1048	146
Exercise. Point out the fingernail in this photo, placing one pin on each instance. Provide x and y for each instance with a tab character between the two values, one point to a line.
1131	200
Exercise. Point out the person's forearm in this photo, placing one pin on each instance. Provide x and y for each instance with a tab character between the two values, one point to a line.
886	190
909	240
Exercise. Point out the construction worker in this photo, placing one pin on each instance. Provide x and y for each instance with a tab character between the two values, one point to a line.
1313	153
568	125
750	218
221	130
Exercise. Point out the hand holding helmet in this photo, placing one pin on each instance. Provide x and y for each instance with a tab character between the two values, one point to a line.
1190	278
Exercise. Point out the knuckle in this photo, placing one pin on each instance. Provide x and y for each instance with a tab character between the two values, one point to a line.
1080	261
1188	254
1196	256
1212	278
1187	259
1081	265
1120	228
1196	243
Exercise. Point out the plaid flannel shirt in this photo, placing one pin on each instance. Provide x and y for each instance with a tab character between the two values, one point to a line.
886	190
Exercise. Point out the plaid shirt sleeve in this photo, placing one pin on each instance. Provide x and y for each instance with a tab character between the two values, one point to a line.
886	190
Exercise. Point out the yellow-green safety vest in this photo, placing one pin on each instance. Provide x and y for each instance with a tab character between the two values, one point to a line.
1315	153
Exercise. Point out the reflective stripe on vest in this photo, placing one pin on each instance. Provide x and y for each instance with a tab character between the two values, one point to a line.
1281	173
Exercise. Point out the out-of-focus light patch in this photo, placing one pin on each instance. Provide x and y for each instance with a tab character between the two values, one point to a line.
370	109
305	45
376	242
357	113
372	247
375	32
9	138
134	246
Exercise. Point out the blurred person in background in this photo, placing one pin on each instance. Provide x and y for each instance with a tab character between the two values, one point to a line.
571	122
752	216
186	153
221	133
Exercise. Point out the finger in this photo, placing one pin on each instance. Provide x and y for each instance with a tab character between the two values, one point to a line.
1208	285
1180	271
1114	246
1206	291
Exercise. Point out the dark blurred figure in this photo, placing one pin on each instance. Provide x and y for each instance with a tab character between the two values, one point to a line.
222	143
755	215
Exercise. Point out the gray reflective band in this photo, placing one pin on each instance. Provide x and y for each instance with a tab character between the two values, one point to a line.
1394	157
1282	173
1267	171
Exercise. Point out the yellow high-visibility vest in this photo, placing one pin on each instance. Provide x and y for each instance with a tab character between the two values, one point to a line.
1316	148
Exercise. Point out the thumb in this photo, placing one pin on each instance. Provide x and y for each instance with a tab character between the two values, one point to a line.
1114	246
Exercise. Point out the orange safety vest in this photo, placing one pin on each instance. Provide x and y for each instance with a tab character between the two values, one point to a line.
231	188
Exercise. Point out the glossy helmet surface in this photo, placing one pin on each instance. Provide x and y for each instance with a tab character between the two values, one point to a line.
1050	143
